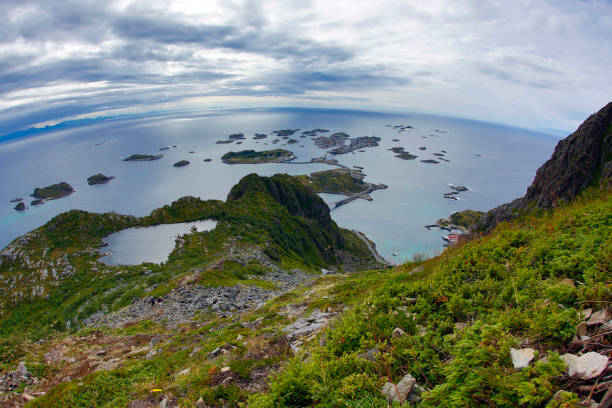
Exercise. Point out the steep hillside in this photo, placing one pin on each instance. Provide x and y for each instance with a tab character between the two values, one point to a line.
582	159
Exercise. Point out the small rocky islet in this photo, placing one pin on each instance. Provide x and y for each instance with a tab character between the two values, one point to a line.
143	157
42	194
181	163
99	179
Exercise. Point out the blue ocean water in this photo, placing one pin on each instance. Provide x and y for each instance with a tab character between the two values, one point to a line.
496	162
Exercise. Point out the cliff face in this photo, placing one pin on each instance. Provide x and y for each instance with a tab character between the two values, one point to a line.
580	160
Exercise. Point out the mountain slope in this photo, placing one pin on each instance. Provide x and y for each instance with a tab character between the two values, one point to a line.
582	159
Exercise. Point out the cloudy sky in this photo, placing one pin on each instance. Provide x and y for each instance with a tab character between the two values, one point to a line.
532	63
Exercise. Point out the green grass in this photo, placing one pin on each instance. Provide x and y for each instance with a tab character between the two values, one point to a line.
507	286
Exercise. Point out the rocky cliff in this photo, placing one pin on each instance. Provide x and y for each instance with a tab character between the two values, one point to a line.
582	159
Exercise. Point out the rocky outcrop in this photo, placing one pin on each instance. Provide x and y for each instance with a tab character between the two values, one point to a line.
582	159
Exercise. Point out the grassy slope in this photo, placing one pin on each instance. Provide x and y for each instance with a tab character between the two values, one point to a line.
507	286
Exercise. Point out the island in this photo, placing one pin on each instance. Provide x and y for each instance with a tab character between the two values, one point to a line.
99	179
292	141
336	181
181	163
430	161
314	132
143	157
52	192
459	188
402	154
236	136
165	148
260	136
253	157
16	200
20	206
224	141
357	144
406	156
337	139
37	202
207	160
422	148
284	132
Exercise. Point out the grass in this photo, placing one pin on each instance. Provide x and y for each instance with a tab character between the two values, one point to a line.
508	287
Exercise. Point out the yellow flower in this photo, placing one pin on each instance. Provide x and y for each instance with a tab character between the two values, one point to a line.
156	390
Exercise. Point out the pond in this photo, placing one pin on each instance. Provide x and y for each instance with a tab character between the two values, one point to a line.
133	246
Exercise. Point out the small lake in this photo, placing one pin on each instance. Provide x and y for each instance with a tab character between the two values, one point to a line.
133	246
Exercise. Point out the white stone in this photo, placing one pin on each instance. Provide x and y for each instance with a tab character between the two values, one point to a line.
399	392
225	369
585	367
521	357
185	371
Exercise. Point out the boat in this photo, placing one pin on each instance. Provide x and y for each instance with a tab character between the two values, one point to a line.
395	254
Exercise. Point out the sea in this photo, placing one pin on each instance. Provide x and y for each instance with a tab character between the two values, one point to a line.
495	162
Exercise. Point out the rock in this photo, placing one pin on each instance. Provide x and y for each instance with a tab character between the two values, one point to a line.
108	365
200	403
227	380
22	370
370	355
185	371
139	351
599	317
307	326
240	337
421	330
586	313
225	369
397	332
521	357
181	163
53	357
189	279
585	367
582	329
399	393
20	206
27	397
411	300
164	403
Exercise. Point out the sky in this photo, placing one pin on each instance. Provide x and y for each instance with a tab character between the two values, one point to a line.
529	63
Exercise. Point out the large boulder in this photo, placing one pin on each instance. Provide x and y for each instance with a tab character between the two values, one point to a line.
586	366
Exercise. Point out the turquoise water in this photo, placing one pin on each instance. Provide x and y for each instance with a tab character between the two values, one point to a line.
497	163
133	246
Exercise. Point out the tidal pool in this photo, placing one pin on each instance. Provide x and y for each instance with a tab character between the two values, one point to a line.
133	246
